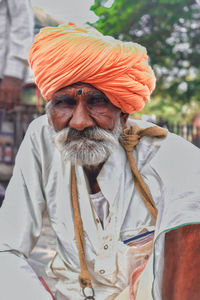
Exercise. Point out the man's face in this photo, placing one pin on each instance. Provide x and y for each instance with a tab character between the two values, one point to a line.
86	122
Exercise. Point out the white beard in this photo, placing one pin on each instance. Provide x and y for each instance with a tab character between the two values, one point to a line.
91	146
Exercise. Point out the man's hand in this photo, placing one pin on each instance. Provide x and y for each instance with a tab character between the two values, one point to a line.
181	278
10	92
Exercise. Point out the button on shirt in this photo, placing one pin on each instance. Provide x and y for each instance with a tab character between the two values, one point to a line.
105	231
101	206
169	168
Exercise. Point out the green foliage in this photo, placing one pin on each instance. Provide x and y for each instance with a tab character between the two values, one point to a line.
174	112
29	95
170	30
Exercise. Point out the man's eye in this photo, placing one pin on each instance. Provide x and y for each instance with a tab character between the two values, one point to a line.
98	101
67	102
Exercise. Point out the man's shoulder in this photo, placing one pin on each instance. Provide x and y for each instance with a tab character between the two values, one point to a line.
38	124
172	157
170	141
146	141
165	152
142	124
37	142
39	130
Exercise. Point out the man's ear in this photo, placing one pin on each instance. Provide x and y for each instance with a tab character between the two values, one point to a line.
123	119
49	120
48	113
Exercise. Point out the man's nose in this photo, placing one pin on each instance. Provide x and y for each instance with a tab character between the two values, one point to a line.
80	118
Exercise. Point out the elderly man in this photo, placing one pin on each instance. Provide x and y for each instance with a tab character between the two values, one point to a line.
113	191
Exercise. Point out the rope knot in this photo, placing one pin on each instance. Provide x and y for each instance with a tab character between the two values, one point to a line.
130	138
84	280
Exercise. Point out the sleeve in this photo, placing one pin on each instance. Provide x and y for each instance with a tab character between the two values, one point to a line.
20	225
178	170
20	37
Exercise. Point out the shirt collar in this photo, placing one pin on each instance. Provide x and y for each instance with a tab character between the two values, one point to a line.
110	176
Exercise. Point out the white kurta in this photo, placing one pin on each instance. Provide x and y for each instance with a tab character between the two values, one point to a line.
170	168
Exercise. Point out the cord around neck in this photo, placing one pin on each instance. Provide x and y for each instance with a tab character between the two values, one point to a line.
130	138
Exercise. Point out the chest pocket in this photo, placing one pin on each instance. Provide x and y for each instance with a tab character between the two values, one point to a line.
133	255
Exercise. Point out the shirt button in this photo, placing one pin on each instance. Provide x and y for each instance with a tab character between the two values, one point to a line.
102	271
105	247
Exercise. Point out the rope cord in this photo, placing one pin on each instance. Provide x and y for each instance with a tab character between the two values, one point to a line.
84	277
130	138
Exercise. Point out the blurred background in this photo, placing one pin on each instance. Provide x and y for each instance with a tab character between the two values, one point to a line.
169	29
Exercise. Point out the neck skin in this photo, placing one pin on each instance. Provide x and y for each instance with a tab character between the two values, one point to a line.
92	172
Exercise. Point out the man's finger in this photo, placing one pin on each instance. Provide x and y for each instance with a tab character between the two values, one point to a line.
10	91
2	98
2	116
9	101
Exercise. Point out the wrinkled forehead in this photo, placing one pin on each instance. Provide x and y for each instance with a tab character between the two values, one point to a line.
79	88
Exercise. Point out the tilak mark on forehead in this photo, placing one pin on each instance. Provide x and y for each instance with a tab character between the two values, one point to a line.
79	92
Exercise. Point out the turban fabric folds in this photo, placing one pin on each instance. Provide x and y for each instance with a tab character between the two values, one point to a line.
63	55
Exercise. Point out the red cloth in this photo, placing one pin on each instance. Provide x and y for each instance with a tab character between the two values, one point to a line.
134	278
46	287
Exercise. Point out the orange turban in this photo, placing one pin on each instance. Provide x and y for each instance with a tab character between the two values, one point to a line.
61	56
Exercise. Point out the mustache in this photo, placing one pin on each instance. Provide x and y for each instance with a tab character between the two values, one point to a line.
90	146
94	134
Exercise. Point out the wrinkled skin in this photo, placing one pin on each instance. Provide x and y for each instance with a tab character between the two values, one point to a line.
181	278
10	93
80	106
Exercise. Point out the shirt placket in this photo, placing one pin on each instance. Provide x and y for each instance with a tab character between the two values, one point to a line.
105	259
105	262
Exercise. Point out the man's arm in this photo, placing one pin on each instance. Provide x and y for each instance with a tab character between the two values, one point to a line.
19	40
20	225
18	280
181	278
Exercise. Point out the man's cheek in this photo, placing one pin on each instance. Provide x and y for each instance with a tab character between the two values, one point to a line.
102	119
60	119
